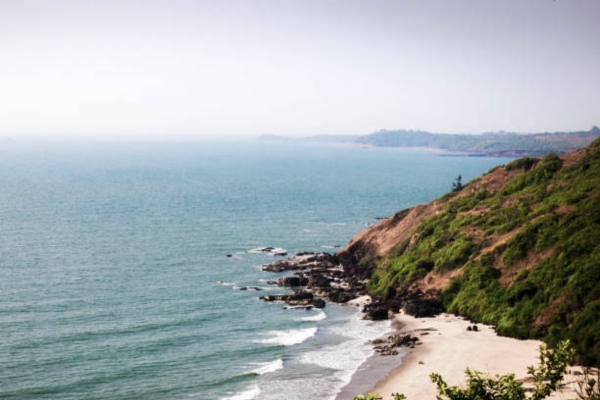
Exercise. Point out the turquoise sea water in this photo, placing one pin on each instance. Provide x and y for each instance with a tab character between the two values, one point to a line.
114	280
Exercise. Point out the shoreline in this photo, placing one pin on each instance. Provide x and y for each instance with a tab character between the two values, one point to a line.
446	347
447	344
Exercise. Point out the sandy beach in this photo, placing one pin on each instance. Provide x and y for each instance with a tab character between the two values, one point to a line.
448	348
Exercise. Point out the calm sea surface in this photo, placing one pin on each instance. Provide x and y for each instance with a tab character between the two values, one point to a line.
114	280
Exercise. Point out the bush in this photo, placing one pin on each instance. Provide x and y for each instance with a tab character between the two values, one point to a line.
547	377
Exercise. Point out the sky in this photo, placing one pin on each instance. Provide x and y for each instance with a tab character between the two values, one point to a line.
289	67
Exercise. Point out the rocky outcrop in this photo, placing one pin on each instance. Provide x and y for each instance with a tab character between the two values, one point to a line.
300	299
382	309
319	273
322	277
303	261
422	307
389	346
293	281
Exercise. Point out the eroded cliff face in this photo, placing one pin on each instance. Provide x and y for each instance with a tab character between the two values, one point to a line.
367	248
361	255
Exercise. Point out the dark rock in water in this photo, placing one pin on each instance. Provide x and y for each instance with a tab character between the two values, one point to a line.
274	297
300	299
293	281
280	253
272	282
302	261
308	307
301	295
340	295
255	288
229	255
322	274
318	303
319	280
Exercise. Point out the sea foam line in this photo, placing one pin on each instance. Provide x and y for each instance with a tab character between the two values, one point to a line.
318	317
269	367
289	337
357	333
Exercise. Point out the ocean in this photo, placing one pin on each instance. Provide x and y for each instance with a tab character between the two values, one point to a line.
121	264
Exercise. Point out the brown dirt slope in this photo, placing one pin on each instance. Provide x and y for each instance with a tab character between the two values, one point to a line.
369	246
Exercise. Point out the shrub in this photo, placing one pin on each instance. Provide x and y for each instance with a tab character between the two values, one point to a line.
481	386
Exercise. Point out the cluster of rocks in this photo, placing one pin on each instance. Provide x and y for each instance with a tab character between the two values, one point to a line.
321	275
381	309
317	273
299	299
303	261
389	346
254	288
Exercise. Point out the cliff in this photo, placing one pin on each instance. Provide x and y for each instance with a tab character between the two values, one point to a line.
518	248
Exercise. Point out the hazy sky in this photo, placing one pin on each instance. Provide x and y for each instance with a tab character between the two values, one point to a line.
296	67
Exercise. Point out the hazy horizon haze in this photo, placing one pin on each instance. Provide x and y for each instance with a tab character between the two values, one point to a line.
227	68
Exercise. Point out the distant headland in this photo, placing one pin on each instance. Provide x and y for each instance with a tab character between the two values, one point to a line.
489	144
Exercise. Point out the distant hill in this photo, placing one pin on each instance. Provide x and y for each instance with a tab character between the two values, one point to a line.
504	144
518	248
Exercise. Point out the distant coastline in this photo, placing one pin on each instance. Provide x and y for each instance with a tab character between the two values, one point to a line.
491	144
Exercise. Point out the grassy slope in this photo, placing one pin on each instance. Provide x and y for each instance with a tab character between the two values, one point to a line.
525	257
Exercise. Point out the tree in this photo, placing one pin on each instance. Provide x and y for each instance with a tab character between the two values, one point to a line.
457	184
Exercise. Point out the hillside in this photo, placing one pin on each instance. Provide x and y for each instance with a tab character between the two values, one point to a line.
486	144
518	248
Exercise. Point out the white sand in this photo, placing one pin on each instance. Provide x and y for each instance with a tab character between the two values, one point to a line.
448	348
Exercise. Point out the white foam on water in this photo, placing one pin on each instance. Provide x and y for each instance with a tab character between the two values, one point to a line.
318	317
245	395
278	250
358	333
268	250
289	337
257	250
269	367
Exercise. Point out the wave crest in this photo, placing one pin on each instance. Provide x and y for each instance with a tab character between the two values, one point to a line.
289	337
318	317
269	367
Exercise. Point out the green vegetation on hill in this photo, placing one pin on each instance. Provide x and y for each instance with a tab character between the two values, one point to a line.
525	258
486	144
495	143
